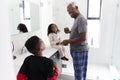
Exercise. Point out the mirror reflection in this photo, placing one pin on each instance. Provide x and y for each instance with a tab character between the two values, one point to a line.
22	28
23	12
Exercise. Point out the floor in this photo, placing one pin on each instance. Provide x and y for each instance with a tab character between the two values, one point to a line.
95	72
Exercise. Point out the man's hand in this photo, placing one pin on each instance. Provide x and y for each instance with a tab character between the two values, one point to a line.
66	30
58	43
65	42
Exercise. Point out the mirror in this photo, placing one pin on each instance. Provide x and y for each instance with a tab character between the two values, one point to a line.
24	12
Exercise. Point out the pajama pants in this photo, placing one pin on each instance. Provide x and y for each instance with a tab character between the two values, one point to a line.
80	64
61	49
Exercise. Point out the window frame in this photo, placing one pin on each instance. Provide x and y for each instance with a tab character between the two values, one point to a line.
95	17
24	16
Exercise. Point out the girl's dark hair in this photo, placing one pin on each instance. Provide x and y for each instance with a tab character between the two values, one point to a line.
22	28
32	44
50	28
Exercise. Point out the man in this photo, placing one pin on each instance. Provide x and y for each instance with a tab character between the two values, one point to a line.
77	41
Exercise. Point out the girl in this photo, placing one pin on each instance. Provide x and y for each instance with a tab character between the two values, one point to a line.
22	28
55	41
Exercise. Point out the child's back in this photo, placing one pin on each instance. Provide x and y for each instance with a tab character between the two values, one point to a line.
35	67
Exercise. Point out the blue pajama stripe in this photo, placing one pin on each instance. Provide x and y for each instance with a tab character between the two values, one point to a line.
80	64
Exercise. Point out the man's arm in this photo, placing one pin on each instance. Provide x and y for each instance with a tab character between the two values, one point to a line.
66	30
80	38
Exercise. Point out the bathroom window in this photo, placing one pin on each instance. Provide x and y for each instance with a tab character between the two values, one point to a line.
93	33
93	17
94	9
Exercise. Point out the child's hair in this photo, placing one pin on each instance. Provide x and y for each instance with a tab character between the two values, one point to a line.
50	28
33	44
22	28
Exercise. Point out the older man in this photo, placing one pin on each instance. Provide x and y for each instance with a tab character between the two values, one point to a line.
77	41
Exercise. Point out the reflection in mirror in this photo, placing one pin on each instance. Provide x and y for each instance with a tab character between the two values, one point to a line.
25	12
34	14
22	28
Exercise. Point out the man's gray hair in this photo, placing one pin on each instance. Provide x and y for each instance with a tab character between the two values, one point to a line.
73	4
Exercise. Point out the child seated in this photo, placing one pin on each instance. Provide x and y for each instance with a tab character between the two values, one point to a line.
55	40
36	67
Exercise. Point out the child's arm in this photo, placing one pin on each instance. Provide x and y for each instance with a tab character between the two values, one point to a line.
56	72
22	72
21	76
55	69
55	76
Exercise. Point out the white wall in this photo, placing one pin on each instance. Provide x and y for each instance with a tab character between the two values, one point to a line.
14	15
103	54
116	45
46	18
6	62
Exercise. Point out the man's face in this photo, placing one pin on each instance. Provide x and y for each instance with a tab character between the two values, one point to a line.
72	11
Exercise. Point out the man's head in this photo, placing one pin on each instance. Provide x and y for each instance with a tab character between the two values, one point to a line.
35	45
72	9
